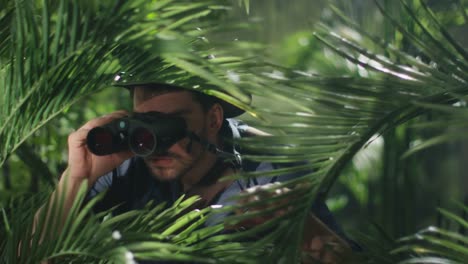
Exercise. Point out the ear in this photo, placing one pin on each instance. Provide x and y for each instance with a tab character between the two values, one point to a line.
215	119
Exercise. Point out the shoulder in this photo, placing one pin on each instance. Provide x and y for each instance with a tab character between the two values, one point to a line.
121	183
106	180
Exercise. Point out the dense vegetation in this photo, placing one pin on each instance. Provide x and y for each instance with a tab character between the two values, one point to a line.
372	93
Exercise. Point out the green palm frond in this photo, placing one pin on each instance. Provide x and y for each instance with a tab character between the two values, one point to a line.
325	120
441	80
436	244
53	54
318	123
152	233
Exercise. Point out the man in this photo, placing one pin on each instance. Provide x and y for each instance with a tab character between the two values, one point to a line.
184	167
190	167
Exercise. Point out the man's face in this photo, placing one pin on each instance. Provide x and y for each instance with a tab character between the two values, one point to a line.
178	161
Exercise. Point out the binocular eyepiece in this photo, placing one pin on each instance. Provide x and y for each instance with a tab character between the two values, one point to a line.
142	133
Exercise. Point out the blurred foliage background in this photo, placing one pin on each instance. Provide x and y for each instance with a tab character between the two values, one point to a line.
382	185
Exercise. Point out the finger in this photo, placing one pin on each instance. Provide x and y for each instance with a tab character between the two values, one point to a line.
313	248
77	138
316	244
328	257
325	249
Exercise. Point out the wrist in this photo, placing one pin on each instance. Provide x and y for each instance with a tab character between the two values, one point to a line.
72	180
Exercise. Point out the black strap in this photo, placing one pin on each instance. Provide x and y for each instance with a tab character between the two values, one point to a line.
215	173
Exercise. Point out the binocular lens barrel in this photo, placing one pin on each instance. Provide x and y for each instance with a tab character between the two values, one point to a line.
143	133
142	141
101	141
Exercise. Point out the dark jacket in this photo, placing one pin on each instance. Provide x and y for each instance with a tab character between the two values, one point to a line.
132	186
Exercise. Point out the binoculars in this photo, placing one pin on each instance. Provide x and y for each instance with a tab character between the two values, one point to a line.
142	133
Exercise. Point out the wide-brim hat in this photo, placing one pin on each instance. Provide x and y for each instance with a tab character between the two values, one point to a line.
173	77
229	109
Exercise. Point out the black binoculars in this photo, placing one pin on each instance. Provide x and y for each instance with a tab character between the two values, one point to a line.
142	133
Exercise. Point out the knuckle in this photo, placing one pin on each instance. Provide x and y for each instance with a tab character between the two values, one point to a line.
72	136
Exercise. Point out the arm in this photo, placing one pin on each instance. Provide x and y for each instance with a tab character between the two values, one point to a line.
83	167
320	243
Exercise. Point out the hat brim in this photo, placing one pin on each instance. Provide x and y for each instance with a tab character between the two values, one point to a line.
230	110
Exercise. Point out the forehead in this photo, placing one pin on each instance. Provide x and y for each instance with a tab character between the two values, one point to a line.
166	101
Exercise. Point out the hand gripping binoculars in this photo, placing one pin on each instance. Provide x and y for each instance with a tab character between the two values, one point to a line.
142	133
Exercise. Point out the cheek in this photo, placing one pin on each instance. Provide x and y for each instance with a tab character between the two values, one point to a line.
186	149
189	148
197	127
182	147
